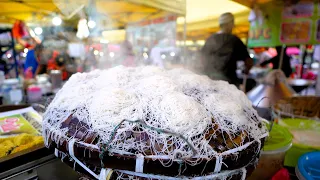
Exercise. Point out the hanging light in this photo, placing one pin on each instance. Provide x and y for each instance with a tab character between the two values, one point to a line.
25	50
91	24
38	30
56	21
145	55
83	31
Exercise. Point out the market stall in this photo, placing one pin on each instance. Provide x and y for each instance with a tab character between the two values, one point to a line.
52	21
281	24
268	30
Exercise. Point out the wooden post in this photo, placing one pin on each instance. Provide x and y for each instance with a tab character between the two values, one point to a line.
281	56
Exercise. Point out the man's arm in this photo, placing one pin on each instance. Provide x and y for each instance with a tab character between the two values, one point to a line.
267	62
38	69
244	55
248	63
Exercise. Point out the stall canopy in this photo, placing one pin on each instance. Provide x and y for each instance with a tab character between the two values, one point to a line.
249	3
202	18
120	12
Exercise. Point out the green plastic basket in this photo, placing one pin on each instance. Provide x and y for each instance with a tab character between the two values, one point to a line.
298	149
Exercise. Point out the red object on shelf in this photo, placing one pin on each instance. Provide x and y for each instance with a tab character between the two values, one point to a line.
19	29
298	70
52	65
28	73
282	174
293	51
309	75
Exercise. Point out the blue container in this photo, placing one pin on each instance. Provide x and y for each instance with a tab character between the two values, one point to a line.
309	166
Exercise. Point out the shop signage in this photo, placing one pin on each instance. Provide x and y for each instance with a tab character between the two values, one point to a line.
292	25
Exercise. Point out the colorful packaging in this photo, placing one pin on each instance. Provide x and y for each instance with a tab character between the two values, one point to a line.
16	124
20	130
25	120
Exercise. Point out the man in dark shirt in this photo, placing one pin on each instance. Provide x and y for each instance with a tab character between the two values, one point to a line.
222	51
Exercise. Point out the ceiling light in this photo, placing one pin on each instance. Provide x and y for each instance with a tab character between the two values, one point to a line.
38	30
91	24
145	55
56	21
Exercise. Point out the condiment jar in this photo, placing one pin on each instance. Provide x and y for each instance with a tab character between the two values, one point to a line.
34	94
12	92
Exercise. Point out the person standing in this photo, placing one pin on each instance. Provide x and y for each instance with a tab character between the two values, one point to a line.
221	52
32	61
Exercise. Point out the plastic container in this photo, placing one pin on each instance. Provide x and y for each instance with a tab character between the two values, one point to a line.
56	80
2	77
306	139
44	84
34	94
308	166
12	91
273	153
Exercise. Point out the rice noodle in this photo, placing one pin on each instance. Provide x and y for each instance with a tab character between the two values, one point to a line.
178	101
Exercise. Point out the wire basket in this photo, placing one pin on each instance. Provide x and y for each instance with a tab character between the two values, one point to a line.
306	107
88	153
117	174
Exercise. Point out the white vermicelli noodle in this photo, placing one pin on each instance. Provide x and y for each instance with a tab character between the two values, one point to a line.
178	101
